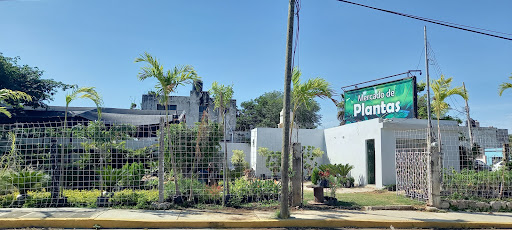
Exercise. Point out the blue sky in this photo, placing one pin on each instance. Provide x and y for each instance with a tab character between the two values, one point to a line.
94	43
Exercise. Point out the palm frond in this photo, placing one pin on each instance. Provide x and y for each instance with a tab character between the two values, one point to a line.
6	94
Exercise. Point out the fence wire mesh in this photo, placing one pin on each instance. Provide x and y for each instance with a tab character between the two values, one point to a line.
473	167
94	164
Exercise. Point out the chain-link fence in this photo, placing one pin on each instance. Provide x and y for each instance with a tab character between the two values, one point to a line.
473	167
97	164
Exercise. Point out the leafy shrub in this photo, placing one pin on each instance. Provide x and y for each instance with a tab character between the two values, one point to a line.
8	200
310	153
473	185
134	198
82	198
6	185
37	199
315	176
132	175
28	180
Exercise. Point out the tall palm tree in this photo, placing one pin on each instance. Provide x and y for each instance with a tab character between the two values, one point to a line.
504	86
85	93
222	97
442	90
304	93
6	94
168	82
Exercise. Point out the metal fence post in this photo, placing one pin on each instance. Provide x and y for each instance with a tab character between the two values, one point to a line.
161	154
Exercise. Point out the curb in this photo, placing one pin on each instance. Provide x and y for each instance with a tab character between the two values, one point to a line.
270	223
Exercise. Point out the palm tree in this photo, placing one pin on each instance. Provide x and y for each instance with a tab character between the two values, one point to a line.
222	97
82	92
168	82
442	90
504	86
304	93
6	94
341	111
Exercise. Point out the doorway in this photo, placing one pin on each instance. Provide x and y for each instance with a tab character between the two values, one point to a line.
370	160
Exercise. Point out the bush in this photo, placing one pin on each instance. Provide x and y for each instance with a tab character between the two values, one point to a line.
82	198
315	176
28	180
134	198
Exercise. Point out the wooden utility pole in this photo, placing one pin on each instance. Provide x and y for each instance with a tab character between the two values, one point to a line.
469	120
284	211
434	172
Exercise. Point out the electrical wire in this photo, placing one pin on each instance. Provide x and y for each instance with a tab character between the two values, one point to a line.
433	21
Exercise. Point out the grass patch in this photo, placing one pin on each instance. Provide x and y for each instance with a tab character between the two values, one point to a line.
376	198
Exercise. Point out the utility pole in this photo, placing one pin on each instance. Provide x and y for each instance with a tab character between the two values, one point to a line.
434	196
285	212
469	119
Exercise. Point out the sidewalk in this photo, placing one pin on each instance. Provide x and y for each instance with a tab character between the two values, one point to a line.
239	218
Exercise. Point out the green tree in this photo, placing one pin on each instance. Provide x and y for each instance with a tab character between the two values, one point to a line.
6	94
222	97
504	86
27	79
263	112
168	82
303	94
422	106
442	90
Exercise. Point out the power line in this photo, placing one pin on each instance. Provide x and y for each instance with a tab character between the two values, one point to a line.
438	22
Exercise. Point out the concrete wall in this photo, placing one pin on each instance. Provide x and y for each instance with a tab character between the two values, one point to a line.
347	145
246	147
271	138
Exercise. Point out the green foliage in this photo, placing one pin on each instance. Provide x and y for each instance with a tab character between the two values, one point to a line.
304	93
272	160
111	177
315	175
168	80
27	79
333	185
6	94
504	86
338	170
222	95
441	89
238	160
132	175
134	198
84	92
257	189
264	110
28	180
473	185
82	198
310	154
184	143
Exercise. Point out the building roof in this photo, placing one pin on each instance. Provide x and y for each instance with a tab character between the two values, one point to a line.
108	115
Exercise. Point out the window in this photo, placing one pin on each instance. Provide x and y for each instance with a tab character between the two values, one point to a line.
162	107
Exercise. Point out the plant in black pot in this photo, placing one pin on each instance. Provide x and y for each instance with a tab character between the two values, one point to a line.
324	178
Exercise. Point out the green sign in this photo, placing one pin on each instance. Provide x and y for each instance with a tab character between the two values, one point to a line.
396	99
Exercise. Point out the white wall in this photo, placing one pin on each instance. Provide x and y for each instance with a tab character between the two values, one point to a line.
271	138
347	145
246	147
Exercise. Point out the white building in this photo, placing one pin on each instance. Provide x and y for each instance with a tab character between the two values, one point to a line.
368	145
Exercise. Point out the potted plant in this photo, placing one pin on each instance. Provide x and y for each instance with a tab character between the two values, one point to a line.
324	178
